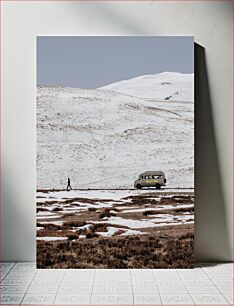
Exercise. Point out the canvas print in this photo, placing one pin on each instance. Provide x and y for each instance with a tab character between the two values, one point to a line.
115	152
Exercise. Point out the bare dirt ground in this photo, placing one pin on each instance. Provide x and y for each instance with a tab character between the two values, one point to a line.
115	229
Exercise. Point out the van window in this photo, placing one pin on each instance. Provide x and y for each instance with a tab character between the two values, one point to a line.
148	177
157	176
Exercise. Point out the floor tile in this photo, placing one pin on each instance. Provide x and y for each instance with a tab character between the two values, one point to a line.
38	298
114	276
3	275
52	271
217	276
19	276
72	299
143	282
4	270
196	282
114	282
207	284
112	299
195	277
65	289
112	289
16	282
75	281
221	273
188	273
110	279
113	271
221	278
142	273
194	270
10	299
172	289
167	277
45	282
49	276
225	289
147	299
78	275
169	282
209	299
26	264
23	270
202	289
7	264
165	270
176	299
145	279
166	274
84	271
222	282
43	289
145	289
229	298
13	289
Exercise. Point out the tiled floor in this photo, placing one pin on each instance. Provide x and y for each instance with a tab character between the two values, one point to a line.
207	284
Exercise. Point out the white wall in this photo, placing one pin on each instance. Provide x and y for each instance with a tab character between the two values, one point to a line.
211	24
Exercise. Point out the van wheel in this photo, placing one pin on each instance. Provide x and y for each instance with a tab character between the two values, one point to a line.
158	186
138	186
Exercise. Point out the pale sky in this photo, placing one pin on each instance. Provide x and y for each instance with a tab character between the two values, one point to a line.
94	61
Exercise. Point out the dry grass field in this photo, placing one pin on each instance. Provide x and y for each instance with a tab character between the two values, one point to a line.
115	229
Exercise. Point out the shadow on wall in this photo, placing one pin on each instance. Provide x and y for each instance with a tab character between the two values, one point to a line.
18	221
211	229
107	13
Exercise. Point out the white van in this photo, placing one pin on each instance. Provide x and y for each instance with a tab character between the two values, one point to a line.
150	179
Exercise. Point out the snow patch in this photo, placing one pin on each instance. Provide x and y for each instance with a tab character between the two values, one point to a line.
48	217
39	228
60	223
51	238
128	222
111	231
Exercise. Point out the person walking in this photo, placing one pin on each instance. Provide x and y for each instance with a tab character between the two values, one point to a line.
69	184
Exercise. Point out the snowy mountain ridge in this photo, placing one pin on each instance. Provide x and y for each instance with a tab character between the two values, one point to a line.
162	86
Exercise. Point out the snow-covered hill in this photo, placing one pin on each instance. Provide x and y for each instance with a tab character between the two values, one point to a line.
104	139
162	86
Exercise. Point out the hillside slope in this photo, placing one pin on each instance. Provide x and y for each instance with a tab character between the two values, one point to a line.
104	139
